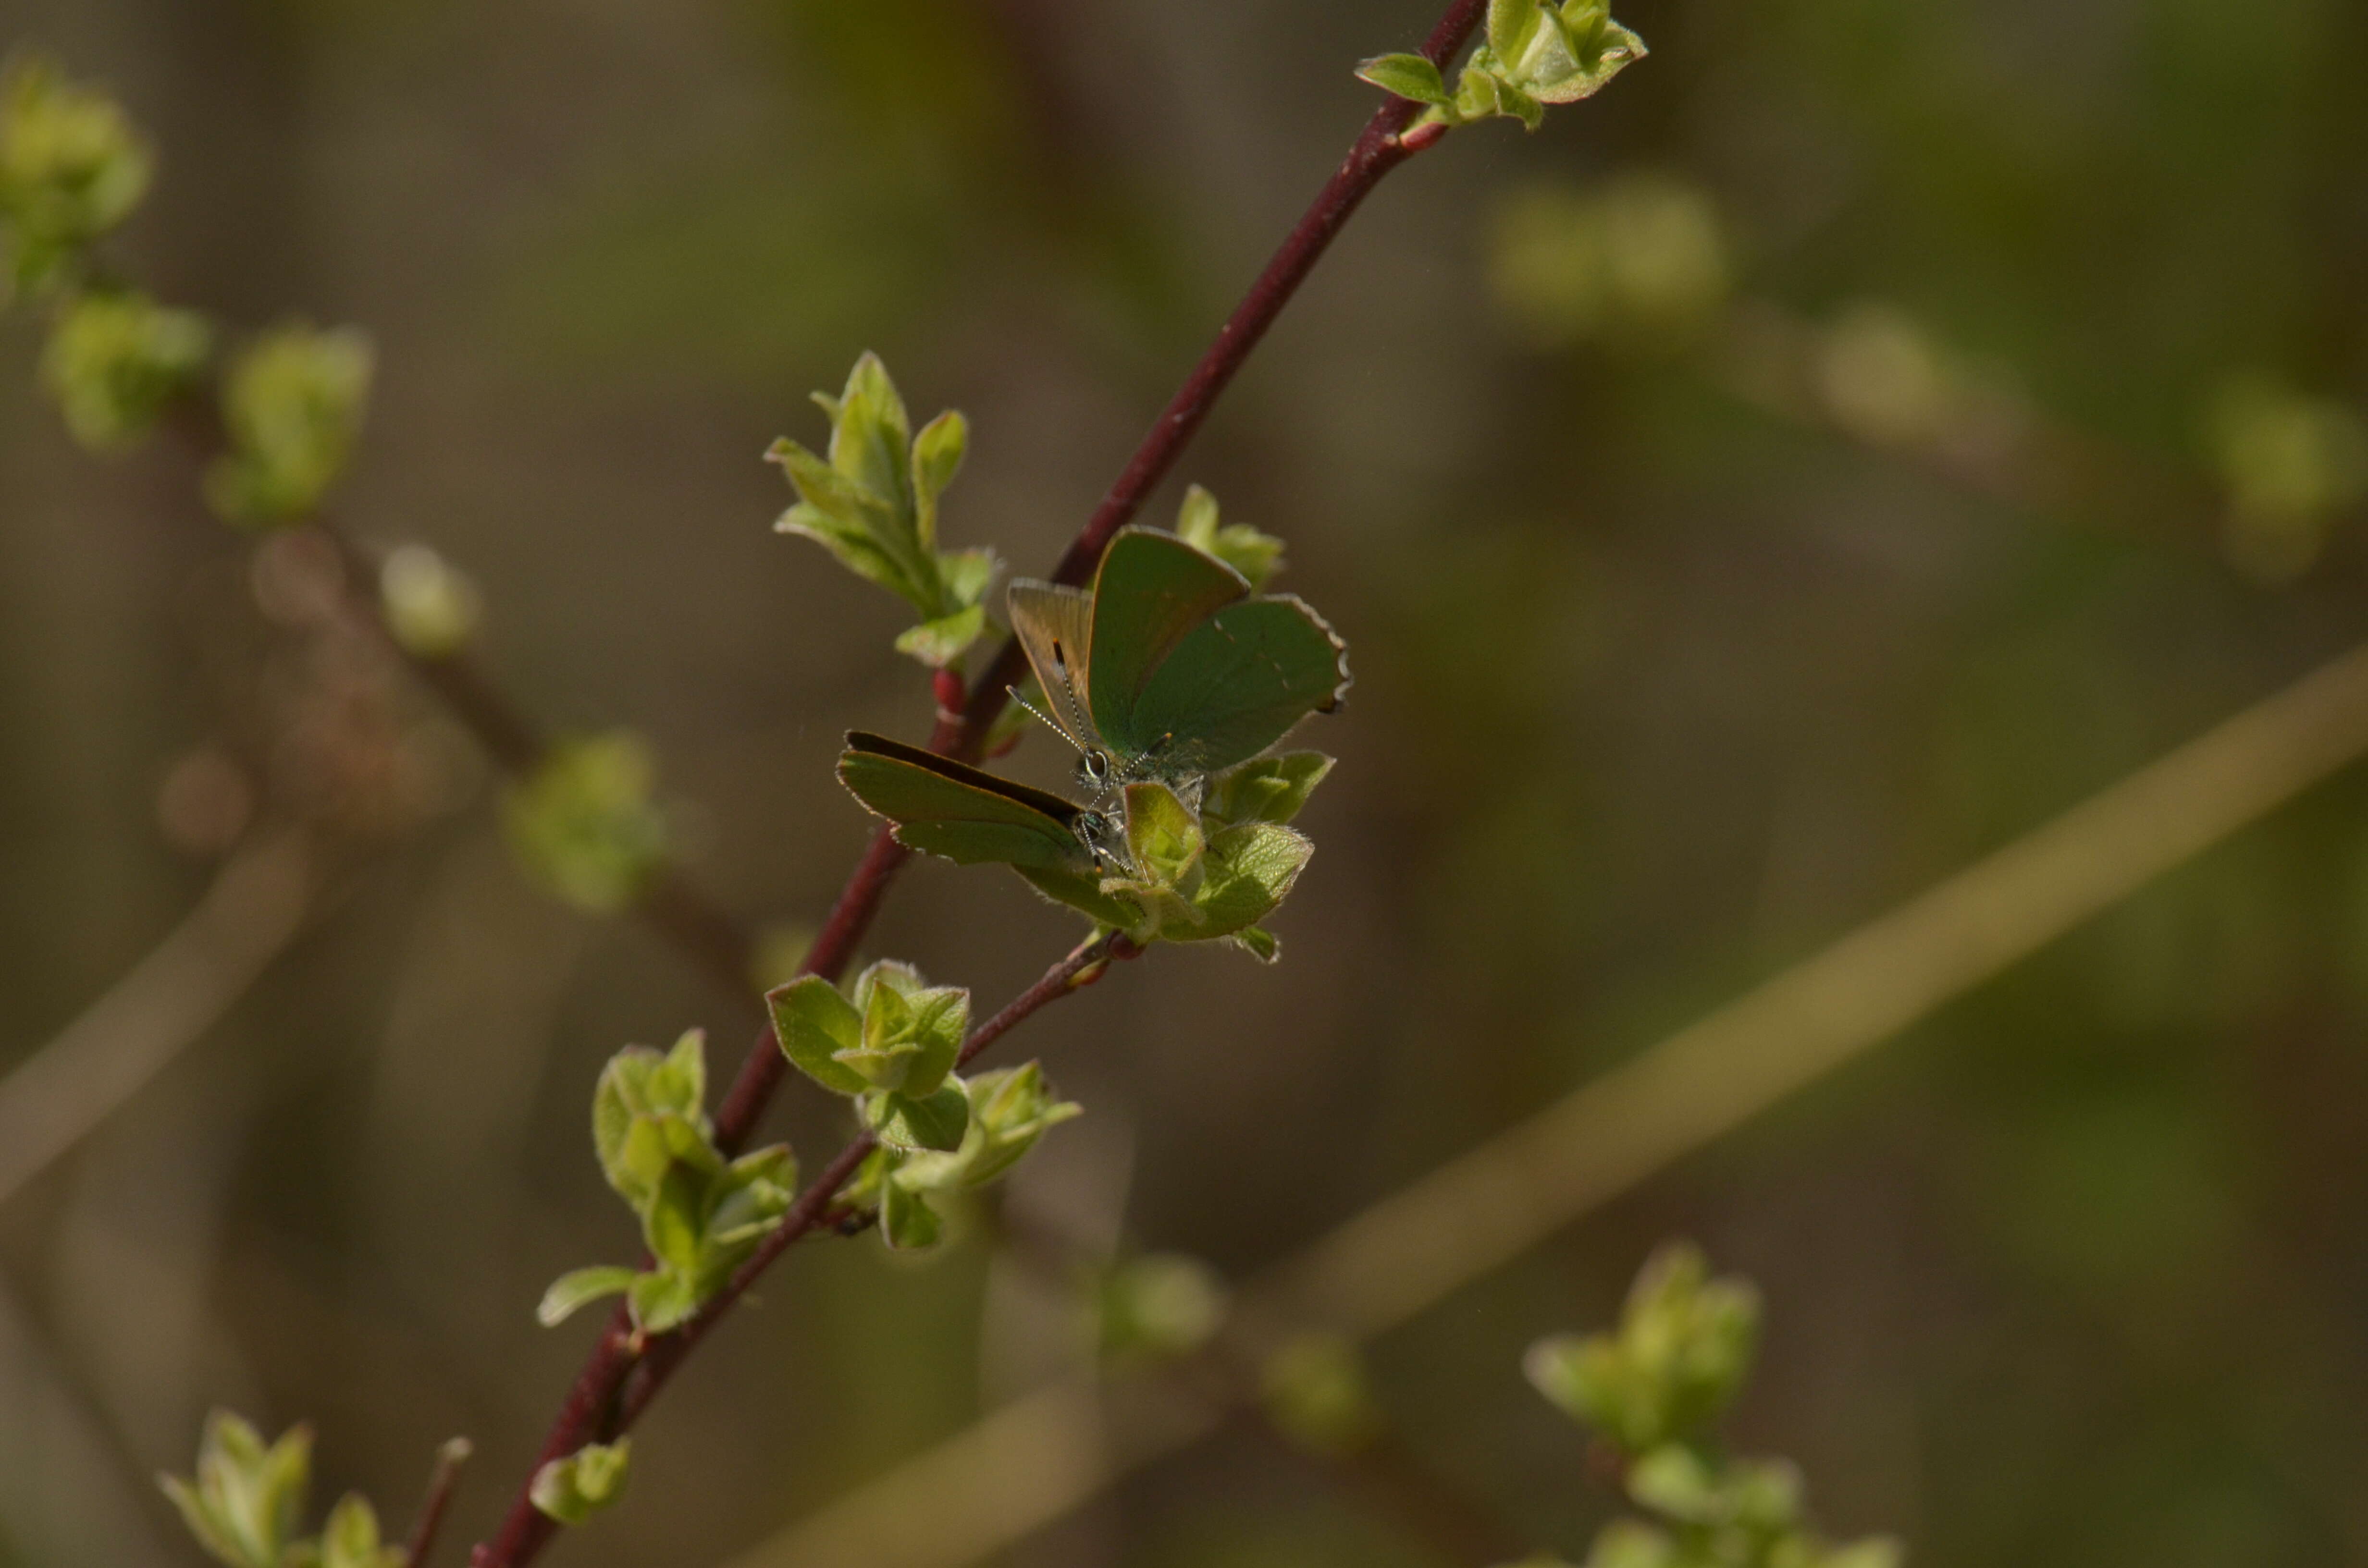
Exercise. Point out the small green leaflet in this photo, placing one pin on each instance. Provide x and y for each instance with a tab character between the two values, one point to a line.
1172	669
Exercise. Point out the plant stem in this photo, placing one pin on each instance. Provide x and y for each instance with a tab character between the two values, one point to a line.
669	903
626	1373
1378	150
441	1482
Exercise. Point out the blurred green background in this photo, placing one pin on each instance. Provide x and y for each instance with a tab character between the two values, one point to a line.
1691	481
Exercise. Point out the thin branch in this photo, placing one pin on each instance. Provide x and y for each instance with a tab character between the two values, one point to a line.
669	903
442	1482
1378	150
1384	1474
258	904
625	1374
1043	1454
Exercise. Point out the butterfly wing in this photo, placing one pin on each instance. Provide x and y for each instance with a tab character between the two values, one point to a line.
1239	682
964	814
1151	594
1055	626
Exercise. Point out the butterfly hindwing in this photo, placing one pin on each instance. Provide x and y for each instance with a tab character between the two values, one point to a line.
942	807
1152	592
1239	682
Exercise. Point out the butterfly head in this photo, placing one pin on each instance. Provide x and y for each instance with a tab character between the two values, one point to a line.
1095	769
1099	834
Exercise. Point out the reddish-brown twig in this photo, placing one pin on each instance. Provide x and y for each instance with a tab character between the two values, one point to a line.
441	1482
1378	150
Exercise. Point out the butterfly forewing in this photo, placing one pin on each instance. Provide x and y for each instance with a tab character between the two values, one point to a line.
941	807
1238	683
1055	626
1153	590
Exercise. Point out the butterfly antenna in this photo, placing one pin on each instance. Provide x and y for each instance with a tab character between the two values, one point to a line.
1013	692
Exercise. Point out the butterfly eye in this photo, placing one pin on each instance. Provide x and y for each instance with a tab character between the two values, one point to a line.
1094	767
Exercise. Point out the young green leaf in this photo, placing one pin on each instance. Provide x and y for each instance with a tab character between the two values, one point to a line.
578	1289
573	1488
71	167
1256	556
246	1499
1406	76
1159	1306
814	1023
431	607
934	1122
587	822
907	1222
1318	1394
940	644
350	1538
292	405
938	454
1269	789
114	360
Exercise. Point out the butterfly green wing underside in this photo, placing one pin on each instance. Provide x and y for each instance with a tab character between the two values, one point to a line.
1054	625
1237	682
942	807
1153	590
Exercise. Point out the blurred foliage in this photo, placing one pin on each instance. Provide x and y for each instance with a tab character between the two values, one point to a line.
114	360
291	406
247	1500
1654	1389
587	821
71	167
1656	694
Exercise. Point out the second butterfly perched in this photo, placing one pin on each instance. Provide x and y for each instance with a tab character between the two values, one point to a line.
1170	668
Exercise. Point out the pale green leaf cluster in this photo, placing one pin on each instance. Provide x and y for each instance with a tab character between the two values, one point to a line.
114	360
1639	262
430	606
71	167
1256	556
892	1050
587	822
574	1487
872	502
2289	463
702	1214
1652	1388
1317	1393
1156	1306
1681	1353
245	1504
293	406
1535	52
1205	875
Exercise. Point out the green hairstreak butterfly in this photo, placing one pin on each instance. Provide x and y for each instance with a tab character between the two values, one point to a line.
1170	669
964	814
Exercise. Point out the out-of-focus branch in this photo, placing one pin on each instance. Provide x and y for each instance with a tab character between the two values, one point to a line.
1042	1455
442	1482
1381	1474
258	903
